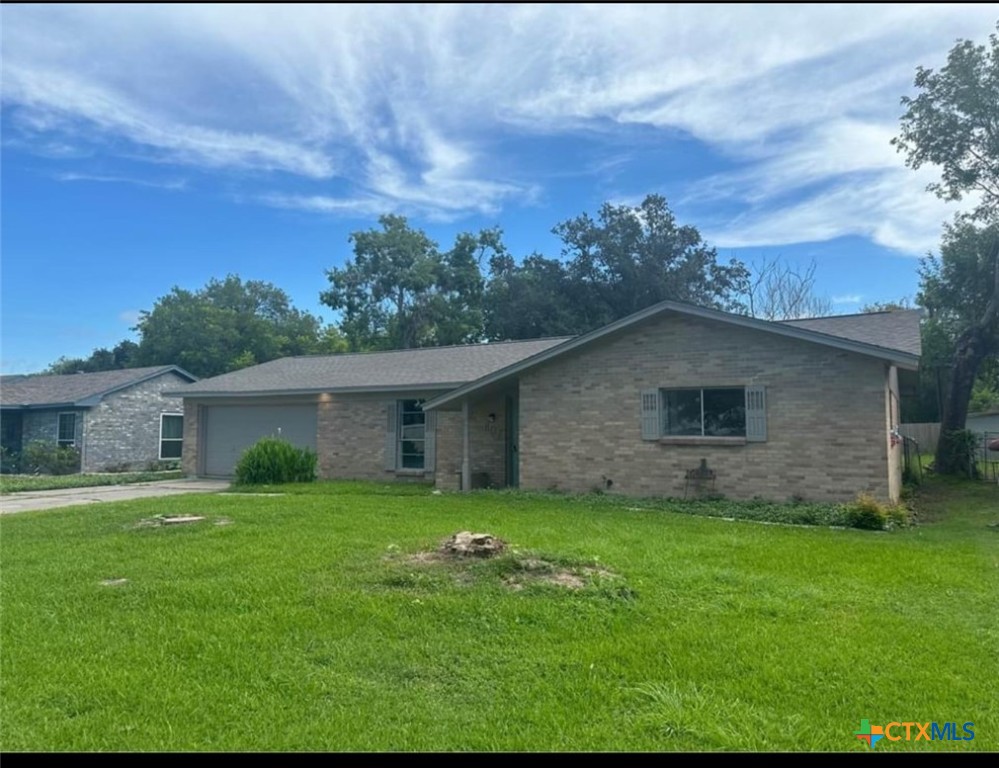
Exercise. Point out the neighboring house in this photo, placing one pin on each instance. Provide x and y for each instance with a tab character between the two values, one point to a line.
983	421
777	410
116	419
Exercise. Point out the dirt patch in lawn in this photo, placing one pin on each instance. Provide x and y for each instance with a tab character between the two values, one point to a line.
466	559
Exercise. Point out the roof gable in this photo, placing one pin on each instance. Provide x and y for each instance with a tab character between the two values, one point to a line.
832	335
76	389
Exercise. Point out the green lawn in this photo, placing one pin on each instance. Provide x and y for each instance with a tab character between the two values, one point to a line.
302	622
23	483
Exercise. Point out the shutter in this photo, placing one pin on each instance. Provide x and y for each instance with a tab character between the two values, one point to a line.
430	441
756	414
651	420
391	436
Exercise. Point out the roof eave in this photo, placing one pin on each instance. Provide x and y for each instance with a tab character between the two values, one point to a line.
318	390
895	357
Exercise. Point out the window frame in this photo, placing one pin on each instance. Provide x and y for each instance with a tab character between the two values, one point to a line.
664	414
400	436
171	439
60	441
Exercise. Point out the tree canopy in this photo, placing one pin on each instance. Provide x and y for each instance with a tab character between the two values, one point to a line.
226	325
954	123
399	290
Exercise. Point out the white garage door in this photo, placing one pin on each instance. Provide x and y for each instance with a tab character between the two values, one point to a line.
231	429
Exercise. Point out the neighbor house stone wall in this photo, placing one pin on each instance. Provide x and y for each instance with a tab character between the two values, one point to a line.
43	425
123	430
826	415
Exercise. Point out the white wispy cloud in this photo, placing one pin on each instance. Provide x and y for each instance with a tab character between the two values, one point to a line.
403	106
171	184
849	298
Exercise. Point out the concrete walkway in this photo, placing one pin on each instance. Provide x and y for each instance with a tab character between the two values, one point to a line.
31	500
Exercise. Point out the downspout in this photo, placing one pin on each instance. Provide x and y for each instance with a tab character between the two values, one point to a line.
466	464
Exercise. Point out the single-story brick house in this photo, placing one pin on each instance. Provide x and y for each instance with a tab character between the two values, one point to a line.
116	419
802	408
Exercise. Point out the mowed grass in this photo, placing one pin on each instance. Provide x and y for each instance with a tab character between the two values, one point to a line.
302	623
25	483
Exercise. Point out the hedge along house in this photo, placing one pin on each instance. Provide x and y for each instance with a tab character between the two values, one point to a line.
644	406
116	419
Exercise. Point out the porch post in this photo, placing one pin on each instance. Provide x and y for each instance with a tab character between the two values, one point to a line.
466	464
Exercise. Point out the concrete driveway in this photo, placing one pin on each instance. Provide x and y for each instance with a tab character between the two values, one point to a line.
31	500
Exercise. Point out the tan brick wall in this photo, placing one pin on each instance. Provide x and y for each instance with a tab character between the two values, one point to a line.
487	442
190	449
827	440
350	440
893	419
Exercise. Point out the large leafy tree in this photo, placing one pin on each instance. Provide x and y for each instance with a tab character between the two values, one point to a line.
953	123
226	325
101	359
630	257
399	291
960	290
529	300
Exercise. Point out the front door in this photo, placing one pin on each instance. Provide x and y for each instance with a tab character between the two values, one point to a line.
512	437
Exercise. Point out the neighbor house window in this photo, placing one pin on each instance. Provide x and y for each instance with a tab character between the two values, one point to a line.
716	412
705	412
66	435
412	435
171	435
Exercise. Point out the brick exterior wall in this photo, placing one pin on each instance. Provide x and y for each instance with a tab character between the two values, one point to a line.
123	430
351	436
43	425
826	415
487	444
192	433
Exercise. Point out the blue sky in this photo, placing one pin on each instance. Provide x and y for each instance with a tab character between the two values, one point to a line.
150	146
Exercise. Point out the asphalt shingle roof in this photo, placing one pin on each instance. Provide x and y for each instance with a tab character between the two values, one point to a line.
427	367
897	330
71	388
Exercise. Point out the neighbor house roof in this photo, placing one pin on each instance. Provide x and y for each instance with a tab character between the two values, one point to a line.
898	329
75	389
423	368
866	337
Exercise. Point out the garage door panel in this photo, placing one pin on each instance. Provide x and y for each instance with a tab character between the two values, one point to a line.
231	429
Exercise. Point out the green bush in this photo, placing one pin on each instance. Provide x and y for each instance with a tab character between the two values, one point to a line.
42	457
867	512
270	461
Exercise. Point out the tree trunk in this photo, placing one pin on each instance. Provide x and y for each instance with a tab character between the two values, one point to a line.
973	346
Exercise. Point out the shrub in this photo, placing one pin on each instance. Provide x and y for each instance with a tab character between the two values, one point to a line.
10	461
867	512
42	457
271	460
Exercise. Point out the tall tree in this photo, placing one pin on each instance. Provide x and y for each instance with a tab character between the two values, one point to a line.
399	290
226	325
954	123
529	300
960	290
776	290
632	257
